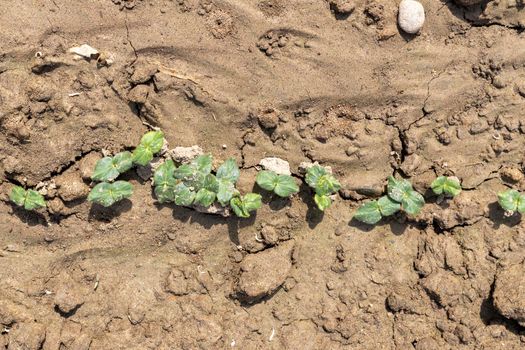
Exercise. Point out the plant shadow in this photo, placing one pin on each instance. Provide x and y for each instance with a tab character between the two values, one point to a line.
30	217
314	216
498	218
100	213
397	228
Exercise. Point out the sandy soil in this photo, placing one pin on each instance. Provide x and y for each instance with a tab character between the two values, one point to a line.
295	79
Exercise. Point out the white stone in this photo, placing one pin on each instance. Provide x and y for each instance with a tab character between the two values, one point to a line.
185	154
411	16
278	165
84	51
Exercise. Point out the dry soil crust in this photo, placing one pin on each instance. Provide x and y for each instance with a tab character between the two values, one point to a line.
333	82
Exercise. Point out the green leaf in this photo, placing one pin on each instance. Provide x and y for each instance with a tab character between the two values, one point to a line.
228	171
34	200
397	189
387	206
183	195
369	213
323	201
238	208
164	174
29	199
123	161
150	144
211	183
153	141
313	174
165	193
252	201
327	184
242	206
18	196
183	172
142	155
267	180
509	200
447	185
286	186
105	170
202	163
521	204
108	194
412	202
195	182
205	197
226	192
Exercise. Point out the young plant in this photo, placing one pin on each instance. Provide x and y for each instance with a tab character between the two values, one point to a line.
107	194
243	205
372	212
227	176
282	185
449	186
400	195
512	201
28	199
109	168
150	144
324	184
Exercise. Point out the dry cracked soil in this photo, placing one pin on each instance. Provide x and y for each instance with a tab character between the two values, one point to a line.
304	80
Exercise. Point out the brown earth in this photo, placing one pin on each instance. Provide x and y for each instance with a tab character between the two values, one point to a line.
334	82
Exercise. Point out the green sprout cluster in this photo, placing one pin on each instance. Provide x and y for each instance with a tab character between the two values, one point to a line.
324	185
107	169
27	199
400	196
195	184
512	201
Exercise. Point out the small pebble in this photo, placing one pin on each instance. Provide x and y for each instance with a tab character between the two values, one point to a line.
411	16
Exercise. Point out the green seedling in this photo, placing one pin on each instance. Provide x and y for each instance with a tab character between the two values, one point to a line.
282	185
227	176
400	195
401	191
109	168
28	199
165	182
243	205
372	212
449	186
150	144
107	194
324	184
512	201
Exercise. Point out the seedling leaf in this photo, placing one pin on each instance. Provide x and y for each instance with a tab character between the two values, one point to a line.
412	202
369	213
150	144
183	172
205	197
387	206
164	174
510	200
108	194
327	184
282	185
228	171
105	170
242	206
34	200
18	196
397	189
313	174
202	163
211	183
226	192
267	180
447	185
323	201
183	195
286	186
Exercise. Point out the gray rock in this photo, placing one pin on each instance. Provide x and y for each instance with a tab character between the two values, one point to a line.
185	154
